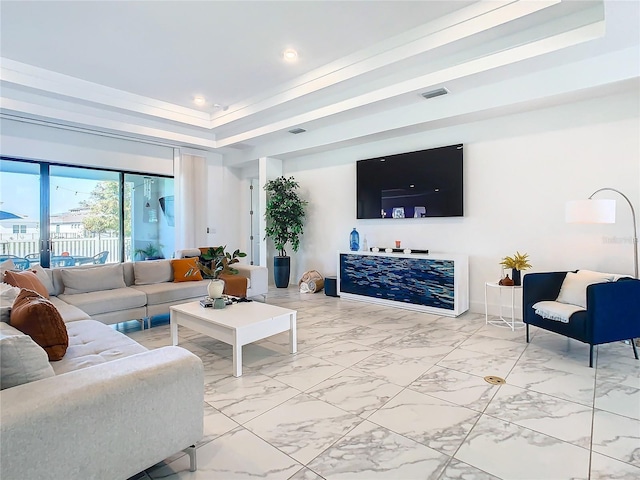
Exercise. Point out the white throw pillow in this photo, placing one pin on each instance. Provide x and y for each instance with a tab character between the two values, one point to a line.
83	280
44	278
574	286
152	271
21	359
8	294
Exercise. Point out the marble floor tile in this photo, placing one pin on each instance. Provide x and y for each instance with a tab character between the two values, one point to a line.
436	423
557	383
246	397
303	427
301	371
512	452
370	383
617	437
391	368
355	392
215	424
607	468
457	470
494	346
614	397
475	363
371	452
342	353
238	454
463	389
567	421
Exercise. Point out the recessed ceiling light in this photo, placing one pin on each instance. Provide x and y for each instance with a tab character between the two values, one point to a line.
198	100
290	55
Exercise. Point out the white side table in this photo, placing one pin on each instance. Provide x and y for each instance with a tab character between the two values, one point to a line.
502	321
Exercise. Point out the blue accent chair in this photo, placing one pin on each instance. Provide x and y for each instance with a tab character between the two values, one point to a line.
613	310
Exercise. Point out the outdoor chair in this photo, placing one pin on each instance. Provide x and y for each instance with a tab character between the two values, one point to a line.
63	261
19	263
101	257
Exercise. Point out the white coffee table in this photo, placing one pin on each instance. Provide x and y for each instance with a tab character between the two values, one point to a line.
237	324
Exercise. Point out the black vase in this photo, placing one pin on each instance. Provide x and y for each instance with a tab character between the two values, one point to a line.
515	275
281	271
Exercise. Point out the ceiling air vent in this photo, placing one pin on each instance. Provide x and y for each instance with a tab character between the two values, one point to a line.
296	131
435	93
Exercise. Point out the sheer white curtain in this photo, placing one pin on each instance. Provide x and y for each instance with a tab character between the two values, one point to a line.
190	201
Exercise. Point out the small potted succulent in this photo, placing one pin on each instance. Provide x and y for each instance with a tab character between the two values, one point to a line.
517	263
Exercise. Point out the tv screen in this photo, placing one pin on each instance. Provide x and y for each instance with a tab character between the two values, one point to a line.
427	183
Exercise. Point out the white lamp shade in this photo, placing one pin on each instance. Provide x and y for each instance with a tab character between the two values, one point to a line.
590	211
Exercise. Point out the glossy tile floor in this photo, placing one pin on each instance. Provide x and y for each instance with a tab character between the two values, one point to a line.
378	392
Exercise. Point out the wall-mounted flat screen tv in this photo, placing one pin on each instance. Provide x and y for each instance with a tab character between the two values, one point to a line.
427	183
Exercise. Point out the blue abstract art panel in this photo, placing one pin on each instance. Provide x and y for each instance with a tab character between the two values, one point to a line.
420	281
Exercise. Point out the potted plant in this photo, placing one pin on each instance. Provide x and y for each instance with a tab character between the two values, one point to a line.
517	263
284	213
214	262
150	252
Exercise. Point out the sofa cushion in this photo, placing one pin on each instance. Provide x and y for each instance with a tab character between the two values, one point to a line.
26	279
160	293
105	301
92	343
152	271
21	359
574	286
68	312
8	294
185	270
84	280
37	317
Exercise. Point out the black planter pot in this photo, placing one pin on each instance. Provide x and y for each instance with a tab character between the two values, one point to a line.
515	275
281	271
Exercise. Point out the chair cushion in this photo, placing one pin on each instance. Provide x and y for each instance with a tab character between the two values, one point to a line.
185	270
37	317
95	303
21	359
152	271
84	280
26	279
574	286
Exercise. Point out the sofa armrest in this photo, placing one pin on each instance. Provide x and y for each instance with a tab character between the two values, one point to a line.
537	287
257	275
613	310
108	421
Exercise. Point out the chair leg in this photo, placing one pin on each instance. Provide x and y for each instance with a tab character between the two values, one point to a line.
590	356
527	327
635	350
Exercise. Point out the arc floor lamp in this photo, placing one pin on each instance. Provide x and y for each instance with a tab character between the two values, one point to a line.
601	211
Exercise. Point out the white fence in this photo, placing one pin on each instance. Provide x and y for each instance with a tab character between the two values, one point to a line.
75	247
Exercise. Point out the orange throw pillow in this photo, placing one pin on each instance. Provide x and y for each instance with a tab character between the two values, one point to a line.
185	270
39	318
26	279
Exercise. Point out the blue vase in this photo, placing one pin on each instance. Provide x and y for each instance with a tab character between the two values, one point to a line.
354	241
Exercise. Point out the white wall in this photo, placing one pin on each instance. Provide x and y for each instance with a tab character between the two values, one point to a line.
519	171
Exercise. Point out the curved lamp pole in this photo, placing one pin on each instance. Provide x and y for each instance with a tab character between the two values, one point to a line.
602	211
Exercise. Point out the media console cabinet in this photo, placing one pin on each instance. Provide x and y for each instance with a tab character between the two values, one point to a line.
433	283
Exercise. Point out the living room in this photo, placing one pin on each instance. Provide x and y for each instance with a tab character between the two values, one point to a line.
535	136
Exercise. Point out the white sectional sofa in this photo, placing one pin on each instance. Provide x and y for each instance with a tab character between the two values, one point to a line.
114	293
108	410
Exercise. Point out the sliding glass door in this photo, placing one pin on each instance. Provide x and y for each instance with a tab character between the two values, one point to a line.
20	207
63	216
